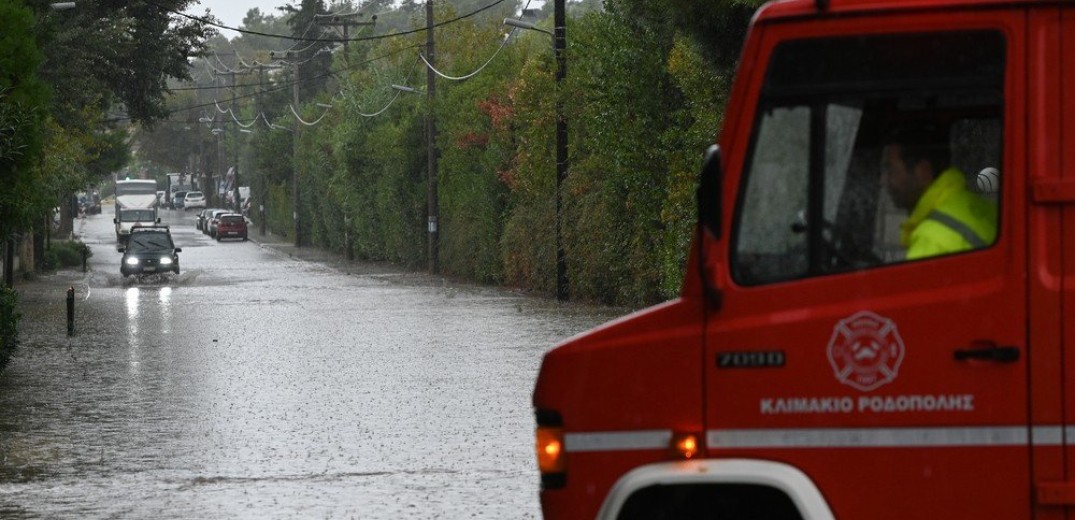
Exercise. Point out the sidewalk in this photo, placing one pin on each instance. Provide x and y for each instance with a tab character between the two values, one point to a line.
285	246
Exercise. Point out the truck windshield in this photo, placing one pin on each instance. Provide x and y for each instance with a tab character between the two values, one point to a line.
136	187
814	201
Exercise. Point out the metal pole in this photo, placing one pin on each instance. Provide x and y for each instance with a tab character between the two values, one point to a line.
235	153
295	165
431	143
71	311
261	202
559	46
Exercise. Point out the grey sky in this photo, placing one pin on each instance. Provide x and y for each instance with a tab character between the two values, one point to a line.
231	12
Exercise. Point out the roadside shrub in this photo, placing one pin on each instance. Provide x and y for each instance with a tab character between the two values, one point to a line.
67	253
9	324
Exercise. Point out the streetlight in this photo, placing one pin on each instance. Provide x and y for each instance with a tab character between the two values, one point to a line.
60	6
559	44
526	25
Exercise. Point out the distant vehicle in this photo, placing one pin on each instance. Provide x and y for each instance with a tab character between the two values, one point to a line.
150	250
127	219
202	220
136	194
177	182
209	227
162	199
89	203
194	199
177	199
231	225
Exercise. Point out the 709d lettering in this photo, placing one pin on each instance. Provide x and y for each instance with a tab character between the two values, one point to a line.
763	359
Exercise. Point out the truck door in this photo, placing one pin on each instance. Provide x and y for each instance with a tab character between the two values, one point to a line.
894	378
1053	250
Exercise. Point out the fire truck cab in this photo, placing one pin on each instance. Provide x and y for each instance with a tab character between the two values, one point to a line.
810	369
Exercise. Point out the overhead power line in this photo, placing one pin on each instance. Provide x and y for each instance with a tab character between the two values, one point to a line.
325	40
278	87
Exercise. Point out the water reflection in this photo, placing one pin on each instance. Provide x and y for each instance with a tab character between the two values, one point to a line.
165	301
277	390
132	311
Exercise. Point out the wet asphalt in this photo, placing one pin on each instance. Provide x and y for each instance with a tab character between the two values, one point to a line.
265	382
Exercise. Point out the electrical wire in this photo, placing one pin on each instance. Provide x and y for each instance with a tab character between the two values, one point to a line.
336	40
300	120
472	74
486	64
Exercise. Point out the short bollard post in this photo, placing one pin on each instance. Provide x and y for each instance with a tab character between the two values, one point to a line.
71	311
85	253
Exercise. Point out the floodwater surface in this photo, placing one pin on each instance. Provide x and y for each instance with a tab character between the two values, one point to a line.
259	383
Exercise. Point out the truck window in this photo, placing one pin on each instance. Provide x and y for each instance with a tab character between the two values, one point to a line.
813	200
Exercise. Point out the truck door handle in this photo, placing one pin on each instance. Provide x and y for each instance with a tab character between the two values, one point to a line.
988	351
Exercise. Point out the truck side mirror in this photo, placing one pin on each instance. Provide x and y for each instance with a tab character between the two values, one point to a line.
115	221
709	195
709	210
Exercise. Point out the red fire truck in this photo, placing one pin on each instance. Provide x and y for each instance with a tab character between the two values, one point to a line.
809	369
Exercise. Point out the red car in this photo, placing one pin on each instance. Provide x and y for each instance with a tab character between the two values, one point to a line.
231	225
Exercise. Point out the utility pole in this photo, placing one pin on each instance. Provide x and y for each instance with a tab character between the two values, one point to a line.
431	142
295	161
235	147
263	192
559	48
295	133
210	190
345	21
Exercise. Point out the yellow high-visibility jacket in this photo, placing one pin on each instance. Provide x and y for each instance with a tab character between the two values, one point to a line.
948	219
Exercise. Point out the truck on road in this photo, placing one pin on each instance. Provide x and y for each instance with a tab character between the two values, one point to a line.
810	369
136	203
177	183
136	194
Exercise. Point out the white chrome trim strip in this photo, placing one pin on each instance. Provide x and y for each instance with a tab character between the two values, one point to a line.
1048	436
923	437
616	441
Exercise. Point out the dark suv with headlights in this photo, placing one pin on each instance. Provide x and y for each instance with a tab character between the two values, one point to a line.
149	250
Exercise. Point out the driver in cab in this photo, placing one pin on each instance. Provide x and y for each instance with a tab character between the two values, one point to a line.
944	217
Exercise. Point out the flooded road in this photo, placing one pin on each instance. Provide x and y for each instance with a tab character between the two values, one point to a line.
259	383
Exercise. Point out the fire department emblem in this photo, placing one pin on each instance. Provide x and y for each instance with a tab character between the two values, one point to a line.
865	351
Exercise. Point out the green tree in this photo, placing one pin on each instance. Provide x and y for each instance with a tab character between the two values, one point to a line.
23	107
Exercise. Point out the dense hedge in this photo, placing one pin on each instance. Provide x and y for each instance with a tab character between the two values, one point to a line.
65	253
642	105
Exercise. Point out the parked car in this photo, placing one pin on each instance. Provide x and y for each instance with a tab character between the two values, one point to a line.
149	250
202	219
193	199
209	227
231	225
177	199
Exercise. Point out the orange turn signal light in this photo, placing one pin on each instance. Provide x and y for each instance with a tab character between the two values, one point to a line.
550	449
685	445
